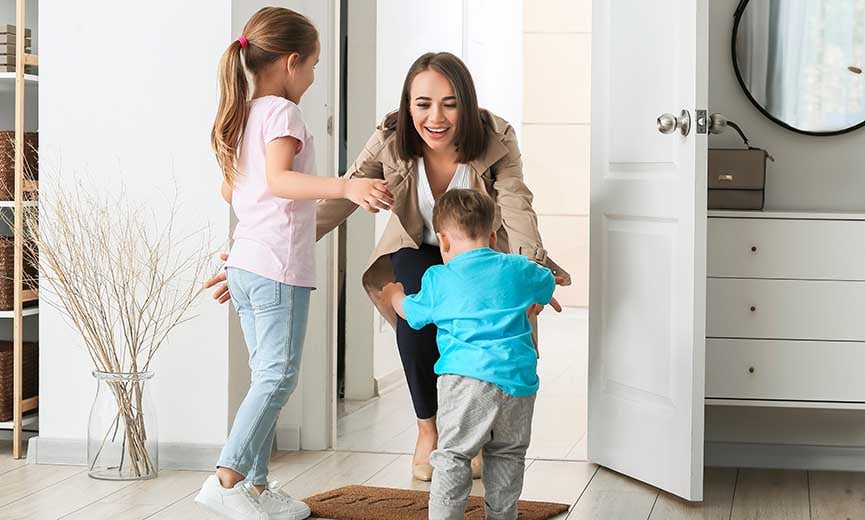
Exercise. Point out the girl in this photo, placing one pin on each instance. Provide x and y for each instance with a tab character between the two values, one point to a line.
267	159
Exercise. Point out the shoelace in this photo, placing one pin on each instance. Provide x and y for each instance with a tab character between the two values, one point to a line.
245	490
273	487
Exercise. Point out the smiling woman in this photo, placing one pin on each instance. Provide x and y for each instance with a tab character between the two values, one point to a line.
438	140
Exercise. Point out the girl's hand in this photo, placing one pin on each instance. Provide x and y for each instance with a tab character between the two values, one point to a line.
536	308
221	293
370	194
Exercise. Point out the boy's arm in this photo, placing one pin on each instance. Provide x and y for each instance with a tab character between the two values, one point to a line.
417	309
544	284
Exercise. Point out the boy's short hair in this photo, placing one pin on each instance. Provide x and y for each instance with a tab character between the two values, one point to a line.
470	211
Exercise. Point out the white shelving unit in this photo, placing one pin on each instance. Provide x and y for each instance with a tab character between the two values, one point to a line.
27	311
17	82
10	77
11	204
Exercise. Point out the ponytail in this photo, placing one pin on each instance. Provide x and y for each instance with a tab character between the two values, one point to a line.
271	33
232	112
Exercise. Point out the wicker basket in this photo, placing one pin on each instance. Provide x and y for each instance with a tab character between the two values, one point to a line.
7	161
7	281
31	376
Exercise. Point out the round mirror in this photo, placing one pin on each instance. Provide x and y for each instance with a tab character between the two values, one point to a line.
801	62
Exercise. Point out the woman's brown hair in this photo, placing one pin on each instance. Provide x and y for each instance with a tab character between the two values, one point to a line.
471	137
271	33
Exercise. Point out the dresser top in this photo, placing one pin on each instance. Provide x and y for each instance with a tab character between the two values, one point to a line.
790	214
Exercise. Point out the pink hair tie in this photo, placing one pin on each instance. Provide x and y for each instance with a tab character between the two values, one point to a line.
243	42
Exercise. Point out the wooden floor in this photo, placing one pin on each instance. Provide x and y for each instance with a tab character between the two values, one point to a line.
374	447
388	424
36	492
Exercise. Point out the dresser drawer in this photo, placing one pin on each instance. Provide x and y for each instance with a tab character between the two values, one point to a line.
788	370
785	309
786	248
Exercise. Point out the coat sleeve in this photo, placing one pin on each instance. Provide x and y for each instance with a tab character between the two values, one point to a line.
515	203
331	213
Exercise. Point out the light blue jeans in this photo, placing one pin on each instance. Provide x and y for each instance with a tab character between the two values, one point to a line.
273	318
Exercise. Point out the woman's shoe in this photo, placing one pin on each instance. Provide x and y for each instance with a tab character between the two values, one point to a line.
422	472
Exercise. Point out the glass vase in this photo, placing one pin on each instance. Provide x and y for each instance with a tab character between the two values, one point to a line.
122	437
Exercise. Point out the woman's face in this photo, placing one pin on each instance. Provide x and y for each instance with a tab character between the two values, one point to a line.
434	110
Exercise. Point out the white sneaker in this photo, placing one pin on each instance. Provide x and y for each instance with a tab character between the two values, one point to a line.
280	506
237	503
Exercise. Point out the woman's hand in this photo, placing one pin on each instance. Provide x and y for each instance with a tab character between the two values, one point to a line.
221	293
370	194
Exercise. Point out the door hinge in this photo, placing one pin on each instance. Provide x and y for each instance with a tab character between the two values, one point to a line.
702	122
330	125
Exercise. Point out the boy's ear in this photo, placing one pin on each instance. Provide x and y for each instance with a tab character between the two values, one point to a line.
493	238
444	242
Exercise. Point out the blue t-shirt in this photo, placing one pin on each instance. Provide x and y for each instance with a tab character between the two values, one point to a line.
478	301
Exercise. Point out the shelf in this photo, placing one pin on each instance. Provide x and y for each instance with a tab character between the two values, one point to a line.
10	76
789	214
27	422
11	203
757	403
28	311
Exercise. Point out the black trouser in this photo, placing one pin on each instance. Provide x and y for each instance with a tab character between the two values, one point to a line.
417	348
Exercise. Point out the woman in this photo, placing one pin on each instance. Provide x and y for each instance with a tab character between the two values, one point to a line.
438	140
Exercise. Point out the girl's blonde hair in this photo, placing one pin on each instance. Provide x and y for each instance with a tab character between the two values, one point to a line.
271	33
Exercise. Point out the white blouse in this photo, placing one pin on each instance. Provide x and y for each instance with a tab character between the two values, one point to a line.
426	200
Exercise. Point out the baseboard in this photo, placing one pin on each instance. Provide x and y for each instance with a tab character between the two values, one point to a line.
389	381
198	457
288	437
785	456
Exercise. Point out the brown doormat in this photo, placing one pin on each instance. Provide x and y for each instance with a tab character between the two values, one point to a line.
373	503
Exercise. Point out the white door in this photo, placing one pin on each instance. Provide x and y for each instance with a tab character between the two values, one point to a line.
648	243
307	419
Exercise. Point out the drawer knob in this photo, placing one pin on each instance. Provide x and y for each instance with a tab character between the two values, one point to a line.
750	370
753	249
725	177
753	308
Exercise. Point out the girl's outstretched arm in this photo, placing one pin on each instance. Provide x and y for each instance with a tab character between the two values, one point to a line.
370	194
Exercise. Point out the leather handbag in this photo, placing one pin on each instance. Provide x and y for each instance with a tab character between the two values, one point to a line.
737	176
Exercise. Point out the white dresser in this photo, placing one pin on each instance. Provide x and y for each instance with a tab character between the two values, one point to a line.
785	318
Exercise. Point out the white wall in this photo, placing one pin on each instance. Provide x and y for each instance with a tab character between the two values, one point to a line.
808	172
487	35
141	113
556	140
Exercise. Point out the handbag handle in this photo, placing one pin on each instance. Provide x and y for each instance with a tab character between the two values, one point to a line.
717	124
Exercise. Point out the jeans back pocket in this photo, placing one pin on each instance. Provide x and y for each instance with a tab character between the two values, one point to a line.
265	294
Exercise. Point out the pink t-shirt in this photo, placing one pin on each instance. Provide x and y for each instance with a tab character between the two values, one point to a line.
274	237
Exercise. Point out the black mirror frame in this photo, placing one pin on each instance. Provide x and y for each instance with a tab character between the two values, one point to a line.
740	10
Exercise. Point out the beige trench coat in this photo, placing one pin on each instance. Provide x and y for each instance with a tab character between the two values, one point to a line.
498	172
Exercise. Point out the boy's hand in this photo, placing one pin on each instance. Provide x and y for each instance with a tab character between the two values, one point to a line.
536	308
390	290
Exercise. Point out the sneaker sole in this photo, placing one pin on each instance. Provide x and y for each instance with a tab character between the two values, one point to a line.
202	500
290	516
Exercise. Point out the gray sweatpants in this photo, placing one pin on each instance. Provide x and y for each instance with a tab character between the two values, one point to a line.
474	414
